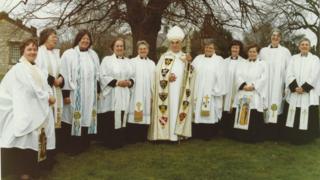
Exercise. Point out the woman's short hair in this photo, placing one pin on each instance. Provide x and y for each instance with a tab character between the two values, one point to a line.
44	35
26	43
304	39
79	36
114	42
253	46
276	30
143	42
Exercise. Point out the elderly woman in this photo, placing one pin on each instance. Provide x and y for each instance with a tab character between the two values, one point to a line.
301	106
80	69
251	97
48	60
140	104
26	122
116	78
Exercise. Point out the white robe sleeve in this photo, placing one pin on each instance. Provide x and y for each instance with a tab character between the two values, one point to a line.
261	83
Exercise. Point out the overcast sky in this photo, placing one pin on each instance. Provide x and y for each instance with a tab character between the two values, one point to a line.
7	5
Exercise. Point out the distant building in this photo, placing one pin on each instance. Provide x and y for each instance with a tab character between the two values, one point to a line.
12	33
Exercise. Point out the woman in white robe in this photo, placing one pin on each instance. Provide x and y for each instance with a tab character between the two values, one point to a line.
141	99
209	89
116	79
302	103
251	98
80	69
277	58
48	60
26	122
231	66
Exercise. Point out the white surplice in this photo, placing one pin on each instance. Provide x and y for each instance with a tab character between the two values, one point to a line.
209	88
117	98
24	108
277	60
252	73
230	71
303	69
89	63
142	89
50	63
156	132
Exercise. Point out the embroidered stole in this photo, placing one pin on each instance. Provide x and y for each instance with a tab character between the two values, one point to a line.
76	103
163	99
242	118
304	111
185	101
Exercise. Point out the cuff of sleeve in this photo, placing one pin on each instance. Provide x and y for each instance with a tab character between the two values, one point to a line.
293	85
62	84
50	80
113	83
132	83
242	86
65	93
307	87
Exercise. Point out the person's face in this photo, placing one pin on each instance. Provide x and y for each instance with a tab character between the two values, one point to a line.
30	52
235	50
275	38
143	50
51	41
84	43
175	46
209	50
304	47
118	48
253	53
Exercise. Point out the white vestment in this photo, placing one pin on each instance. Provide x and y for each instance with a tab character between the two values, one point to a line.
209	88
156	131
253	73
117	98
277	60
50	63
142	90
230	73
303	70
89	75
24	108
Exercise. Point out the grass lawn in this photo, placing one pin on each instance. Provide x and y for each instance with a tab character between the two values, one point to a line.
219	158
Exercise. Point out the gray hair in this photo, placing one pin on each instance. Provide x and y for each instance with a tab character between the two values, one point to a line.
304	39
276	30
143	42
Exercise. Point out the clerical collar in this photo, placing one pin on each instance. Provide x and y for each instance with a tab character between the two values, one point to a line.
234	58
144	58
304	55
120	57
83	50
274	46
207	56
252	60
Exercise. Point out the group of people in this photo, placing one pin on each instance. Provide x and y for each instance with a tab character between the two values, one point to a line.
50	102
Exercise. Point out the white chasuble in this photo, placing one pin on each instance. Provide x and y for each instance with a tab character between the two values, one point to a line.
25	114
253	73
231	65
50	63
167	99
80	70
209	89
140	102
277	60
116	98
302	69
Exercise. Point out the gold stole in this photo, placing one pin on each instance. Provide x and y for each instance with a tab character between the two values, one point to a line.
182	128
205	106
138	112
163	100
42	150
242	118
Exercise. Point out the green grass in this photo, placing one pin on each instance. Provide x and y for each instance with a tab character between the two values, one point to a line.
219	158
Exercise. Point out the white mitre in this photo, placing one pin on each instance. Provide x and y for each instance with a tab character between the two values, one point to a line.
175	34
